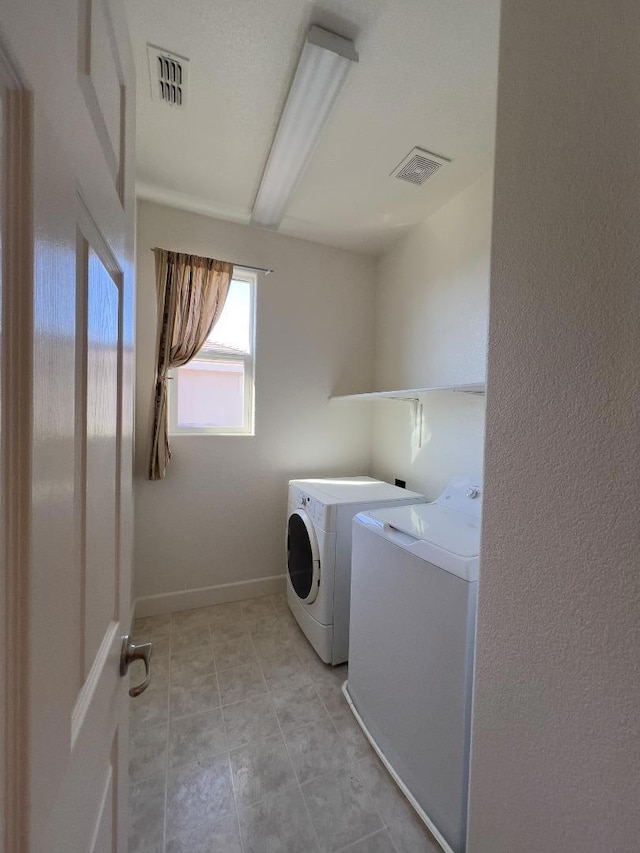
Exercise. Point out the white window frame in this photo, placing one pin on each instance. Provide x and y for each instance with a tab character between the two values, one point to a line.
248	360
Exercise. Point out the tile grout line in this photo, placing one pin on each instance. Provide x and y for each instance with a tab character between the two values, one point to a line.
313	685
233	785
132	737
166	762
198	713
349	763
226	740
286	746
354	762
352	844
269	696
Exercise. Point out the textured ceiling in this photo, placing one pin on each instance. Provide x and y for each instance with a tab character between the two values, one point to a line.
426	77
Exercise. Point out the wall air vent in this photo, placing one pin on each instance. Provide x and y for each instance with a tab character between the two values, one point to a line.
169	75
418	166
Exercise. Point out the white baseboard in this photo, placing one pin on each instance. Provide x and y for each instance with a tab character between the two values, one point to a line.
188	599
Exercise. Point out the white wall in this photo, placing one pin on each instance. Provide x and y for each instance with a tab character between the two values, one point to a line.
431	329
219	517
556	720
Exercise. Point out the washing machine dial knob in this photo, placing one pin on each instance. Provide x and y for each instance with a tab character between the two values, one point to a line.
472	493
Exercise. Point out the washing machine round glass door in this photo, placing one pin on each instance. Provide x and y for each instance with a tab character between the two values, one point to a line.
303	556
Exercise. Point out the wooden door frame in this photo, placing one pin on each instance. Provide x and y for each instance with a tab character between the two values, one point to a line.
16	360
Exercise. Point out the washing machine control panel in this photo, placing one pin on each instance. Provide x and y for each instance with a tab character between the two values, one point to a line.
462	494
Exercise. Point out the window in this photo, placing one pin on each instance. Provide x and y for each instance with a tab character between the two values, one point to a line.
213	394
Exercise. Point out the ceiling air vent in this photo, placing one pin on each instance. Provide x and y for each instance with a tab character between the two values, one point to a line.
169	76
418	166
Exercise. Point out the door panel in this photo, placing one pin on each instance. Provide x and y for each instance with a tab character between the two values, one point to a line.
102	840
102	81
101	438
66	450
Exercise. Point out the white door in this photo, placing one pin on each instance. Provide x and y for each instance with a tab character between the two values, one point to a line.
67	216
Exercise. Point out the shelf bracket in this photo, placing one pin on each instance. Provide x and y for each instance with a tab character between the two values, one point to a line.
417	408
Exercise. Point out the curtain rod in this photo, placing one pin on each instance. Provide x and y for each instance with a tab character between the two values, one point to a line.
265	270
253	269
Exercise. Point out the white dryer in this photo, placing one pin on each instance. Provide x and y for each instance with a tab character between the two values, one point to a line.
318	542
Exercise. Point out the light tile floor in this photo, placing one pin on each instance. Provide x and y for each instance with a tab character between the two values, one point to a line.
244	743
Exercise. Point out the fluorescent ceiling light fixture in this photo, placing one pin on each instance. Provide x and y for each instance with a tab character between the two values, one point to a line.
323	67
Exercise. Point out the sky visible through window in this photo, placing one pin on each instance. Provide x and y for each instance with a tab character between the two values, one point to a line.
232	329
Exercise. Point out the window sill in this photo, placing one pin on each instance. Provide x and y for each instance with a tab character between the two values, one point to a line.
187	433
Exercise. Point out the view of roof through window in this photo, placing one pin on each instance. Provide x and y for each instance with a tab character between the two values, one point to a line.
232	331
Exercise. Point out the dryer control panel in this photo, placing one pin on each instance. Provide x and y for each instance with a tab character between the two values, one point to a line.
316	510
304	501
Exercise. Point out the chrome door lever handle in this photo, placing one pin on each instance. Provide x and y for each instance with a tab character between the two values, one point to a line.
131	652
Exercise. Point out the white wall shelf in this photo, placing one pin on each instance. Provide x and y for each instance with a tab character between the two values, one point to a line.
415	396
413	393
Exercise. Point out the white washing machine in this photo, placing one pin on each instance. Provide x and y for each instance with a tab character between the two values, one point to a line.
318	542
413	607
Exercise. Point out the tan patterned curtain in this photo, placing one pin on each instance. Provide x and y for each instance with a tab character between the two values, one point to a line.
191	294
